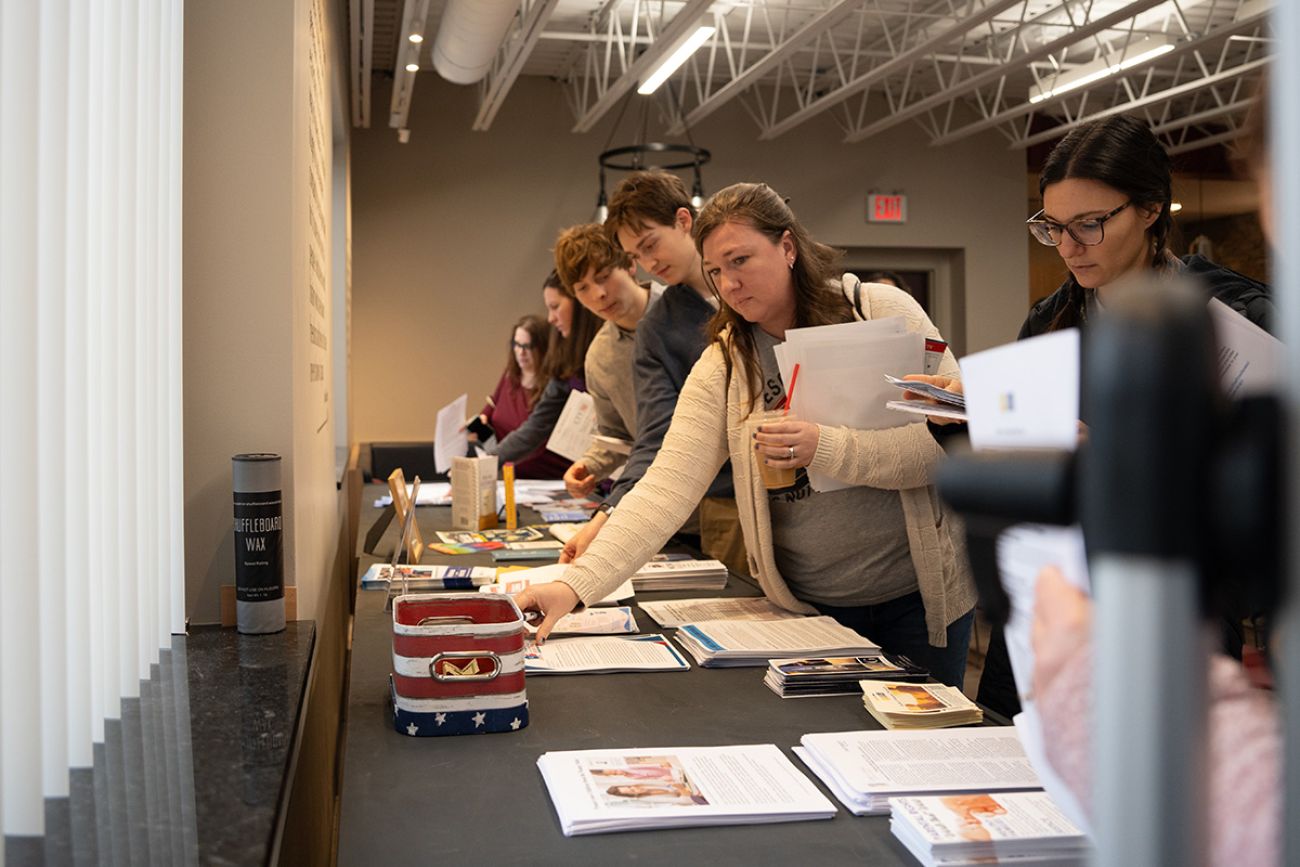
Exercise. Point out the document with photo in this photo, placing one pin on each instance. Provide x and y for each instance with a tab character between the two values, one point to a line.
598	791
674	613
723	643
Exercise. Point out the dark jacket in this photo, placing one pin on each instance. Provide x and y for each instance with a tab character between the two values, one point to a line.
1250	298
670	338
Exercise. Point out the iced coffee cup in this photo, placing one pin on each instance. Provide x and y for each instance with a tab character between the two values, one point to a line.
773	477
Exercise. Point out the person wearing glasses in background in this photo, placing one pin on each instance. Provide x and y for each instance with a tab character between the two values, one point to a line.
1106	188
520	387
573	327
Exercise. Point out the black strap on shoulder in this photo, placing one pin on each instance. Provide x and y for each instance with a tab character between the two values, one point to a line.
857	299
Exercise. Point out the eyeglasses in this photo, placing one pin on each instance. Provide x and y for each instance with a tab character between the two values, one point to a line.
1089	232
522	347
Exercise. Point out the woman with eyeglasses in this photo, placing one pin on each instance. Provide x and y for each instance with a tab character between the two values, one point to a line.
573	327
1106	191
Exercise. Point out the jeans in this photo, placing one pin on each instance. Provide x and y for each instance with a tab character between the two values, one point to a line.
898	626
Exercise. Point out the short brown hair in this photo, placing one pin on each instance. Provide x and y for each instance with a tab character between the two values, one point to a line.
651	196
586	246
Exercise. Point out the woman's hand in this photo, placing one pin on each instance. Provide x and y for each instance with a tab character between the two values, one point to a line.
574	547
553	599
787	444
948	383
1062	624
579	481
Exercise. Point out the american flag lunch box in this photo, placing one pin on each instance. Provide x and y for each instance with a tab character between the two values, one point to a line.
458	664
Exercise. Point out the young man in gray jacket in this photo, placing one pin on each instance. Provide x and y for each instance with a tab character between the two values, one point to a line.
651	216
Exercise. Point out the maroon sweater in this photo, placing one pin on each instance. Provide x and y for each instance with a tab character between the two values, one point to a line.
510	412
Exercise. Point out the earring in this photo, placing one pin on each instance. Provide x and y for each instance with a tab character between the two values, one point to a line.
789	263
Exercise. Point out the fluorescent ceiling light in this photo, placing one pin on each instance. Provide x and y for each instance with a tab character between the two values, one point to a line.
675	60
416	38
1116	61
412	67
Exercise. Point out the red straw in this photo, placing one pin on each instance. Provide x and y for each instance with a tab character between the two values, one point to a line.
789	395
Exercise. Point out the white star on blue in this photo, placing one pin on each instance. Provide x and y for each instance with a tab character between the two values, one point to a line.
412	729
515	724
479	719
440	718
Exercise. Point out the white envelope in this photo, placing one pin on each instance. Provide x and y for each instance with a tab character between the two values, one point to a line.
450	439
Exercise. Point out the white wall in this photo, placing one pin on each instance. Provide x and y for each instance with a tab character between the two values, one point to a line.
452	232
247	305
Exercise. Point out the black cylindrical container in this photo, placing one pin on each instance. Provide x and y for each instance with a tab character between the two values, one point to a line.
259	543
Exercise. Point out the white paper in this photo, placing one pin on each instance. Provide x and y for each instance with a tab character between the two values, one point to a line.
451	439
514	582
737	642
1024	395
575	427
594	621
595	791
1021	827
1023	552
1250	359
603	654
1029	728
917	407
678	612
431	494
842	371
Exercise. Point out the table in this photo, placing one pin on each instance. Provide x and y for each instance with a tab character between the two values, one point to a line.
480	799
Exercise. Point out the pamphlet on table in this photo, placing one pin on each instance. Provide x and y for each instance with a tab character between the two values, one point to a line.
599	791
1002	828
865	769
680	575
603	620
725	643
603	654
521	579
674	613
897	705
814	676
423	578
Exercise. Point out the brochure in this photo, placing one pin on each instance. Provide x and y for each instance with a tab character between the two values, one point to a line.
678	612
983	828
836	675
421	578
520	579
898	705
598	791
722	643
603	654
593	621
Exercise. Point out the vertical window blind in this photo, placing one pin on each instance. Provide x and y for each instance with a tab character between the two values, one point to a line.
91	556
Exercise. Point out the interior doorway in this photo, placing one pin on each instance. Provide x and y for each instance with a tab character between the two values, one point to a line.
936	277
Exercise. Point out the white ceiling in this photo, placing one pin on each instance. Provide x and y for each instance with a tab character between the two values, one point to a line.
954	67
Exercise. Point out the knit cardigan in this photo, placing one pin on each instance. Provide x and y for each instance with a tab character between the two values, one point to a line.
701	439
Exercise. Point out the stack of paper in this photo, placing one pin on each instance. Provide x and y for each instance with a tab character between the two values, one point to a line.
836	675
603	620
898	705
866	769
1011	828
521	579
565	531
598	791
547	549
603	654
841	375
421	578
951	404
681	575
729	643
678	612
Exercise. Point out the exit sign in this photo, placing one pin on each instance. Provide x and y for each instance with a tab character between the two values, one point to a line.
886	209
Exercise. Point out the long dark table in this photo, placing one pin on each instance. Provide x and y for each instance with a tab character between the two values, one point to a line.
480	799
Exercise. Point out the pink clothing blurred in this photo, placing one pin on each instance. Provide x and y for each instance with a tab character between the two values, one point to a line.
512	410
1245	760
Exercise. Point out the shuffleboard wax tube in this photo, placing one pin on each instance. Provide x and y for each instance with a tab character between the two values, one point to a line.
259	543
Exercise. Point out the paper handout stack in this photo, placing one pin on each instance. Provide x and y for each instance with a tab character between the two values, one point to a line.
898	705
1010	828
604	654
598	791
681	575
836	675
865	769
950	404
728	643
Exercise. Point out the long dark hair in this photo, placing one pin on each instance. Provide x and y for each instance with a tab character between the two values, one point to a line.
565	356
1120	152
538	332
817	297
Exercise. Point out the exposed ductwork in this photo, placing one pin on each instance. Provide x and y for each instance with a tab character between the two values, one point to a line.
469	36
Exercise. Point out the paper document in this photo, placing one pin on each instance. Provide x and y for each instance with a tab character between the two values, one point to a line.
1024	395
842	371
575	427
987	828
865	768
921	408
719	643
1250	359
1029	728
596	791
519	580
678	612
594	621
430	494
451	440
603	655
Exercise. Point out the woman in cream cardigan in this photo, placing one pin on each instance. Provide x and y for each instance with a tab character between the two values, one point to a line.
880	556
